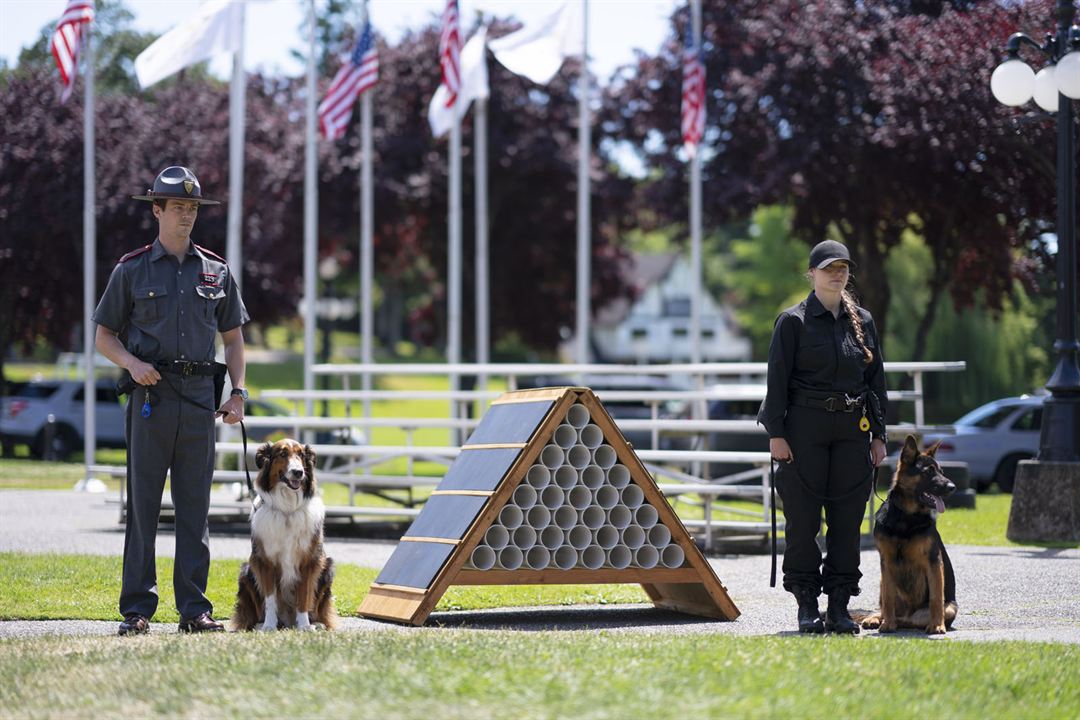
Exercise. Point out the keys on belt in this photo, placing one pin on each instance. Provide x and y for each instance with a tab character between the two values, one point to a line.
847	403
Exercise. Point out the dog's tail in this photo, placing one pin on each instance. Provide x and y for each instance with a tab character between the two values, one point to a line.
325	612
246	613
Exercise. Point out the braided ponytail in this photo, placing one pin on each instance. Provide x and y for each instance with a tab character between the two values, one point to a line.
856	324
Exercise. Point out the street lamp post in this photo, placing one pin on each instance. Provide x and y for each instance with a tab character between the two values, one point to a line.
1039	512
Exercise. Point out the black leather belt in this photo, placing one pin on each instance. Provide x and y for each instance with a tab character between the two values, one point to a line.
189	367
830	402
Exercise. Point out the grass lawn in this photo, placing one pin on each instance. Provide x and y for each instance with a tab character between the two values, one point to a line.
85	587
467	674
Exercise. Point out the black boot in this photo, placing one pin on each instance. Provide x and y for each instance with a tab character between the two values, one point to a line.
809	615
837	619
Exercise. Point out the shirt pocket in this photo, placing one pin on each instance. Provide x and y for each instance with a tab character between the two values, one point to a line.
149	304
209	298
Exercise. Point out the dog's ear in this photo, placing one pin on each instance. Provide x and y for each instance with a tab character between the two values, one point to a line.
910	451
262	455
309	458
932	450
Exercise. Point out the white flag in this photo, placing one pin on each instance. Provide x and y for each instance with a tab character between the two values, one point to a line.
216	28
537	50
474	86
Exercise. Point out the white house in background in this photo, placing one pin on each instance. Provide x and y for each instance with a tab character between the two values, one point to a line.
656	327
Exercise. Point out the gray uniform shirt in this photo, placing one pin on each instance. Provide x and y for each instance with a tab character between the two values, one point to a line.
165	310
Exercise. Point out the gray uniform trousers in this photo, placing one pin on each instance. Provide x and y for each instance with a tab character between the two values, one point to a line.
832	460
180	436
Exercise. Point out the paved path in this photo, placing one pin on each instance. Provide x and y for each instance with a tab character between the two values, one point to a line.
1009	593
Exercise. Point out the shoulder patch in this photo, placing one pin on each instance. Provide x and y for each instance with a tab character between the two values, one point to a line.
135	253
211	253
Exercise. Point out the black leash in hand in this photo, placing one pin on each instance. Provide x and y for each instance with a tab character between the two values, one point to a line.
196	403
772	491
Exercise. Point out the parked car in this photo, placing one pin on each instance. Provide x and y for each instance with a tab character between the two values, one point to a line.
629	409
993	438
25	414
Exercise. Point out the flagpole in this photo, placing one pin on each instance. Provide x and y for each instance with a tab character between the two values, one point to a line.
89	253
584	151
453	343
483	316
367	240
695	218
237	110
311	190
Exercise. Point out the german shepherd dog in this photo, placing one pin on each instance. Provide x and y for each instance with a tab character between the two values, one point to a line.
287	581
918	588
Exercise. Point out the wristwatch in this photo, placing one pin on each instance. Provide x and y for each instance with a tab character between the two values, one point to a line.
242	392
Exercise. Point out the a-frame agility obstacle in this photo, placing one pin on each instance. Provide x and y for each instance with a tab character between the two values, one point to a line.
546	491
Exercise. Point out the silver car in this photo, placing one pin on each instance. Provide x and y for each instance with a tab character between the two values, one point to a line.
993	438
25	413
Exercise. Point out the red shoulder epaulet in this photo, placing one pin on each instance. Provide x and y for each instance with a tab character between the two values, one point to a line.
135	253
211	253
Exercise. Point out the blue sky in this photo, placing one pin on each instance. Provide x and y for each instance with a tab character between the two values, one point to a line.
616	27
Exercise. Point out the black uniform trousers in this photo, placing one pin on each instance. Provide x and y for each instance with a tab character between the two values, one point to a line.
177	436
831	471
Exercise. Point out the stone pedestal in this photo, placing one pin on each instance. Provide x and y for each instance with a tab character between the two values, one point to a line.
1046	502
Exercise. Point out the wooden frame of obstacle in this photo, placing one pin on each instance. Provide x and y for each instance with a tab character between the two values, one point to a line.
436	549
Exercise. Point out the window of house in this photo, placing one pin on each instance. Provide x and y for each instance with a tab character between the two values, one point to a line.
678	306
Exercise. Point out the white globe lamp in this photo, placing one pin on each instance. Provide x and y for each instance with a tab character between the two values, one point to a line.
1013	83
1046	90
1067	75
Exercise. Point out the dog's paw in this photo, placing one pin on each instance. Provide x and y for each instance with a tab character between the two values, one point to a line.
267	627
871	622
935	629
887	626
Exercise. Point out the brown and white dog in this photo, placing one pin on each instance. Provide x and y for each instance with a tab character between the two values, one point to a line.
287	581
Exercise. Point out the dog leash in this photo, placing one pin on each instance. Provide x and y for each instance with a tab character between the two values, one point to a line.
196	403
772	493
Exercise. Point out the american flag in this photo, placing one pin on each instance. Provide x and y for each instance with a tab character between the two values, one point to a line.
359	73
693	95
66	40
450	52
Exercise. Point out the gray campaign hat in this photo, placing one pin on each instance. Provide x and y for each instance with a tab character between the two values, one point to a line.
176	183
827	252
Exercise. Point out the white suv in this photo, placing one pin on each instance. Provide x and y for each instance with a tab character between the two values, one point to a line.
25	413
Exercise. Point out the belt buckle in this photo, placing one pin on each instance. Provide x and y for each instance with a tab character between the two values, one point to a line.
830	404
187	369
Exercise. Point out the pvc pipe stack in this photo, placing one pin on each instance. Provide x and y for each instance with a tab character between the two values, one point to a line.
577	507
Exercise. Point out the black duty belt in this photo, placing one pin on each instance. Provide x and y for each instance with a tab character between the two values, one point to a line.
189	367
830	402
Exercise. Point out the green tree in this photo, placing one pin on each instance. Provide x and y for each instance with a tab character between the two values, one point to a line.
764	273
1004	347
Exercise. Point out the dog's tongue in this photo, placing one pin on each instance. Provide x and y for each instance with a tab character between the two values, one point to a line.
939	504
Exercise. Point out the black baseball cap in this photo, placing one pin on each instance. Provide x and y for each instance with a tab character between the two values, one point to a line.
827	252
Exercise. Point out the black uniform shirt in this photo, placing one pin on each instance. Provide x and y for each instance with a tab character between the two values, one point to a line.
165	310
812	350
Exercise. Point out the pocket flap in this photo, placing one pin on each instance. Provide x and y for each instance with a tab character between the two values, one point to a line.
150	291
210	292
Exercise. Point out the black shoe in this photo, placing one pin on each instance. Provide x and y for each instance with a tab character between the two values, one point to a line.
837	619
135	624
202	623
809	615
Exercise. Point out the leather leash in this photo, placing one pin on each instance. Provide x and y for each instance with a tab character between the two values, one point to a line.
772	491
243	428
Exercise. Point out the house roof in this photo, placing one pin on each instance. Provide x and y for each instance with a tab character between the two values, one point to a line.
641	271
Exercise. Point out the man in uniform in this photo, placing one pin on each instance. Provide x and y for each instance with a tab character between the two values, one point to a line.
158	320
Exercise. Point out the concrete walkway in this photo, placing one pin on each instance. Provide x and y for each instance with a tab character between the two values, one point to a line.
1004	593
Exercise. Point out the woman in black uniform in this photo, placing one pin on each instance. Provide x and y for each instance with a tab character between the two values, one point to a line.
825	414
